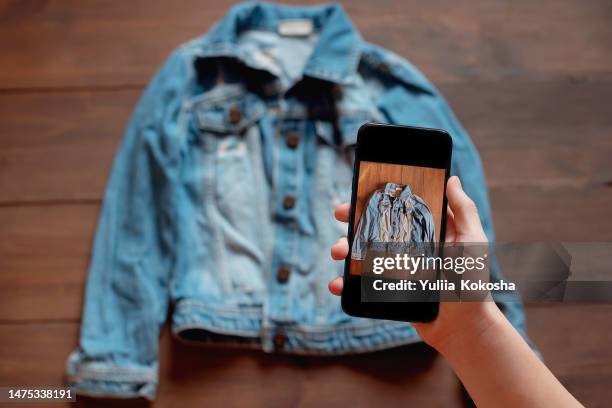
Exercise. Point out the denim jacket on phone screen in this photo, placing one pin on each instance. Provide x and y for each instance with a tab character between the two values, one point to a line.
393	214
219	207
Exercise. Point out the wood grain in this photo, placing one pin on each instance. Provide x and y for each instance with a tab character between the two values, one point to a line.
76	44
59	146
44	254
558	213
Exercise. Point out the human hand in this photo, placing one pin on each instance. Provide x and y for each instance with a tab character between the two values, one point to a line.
456	321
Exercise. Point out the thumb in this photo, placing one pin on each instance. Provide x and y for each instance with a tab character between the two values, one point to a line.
465	213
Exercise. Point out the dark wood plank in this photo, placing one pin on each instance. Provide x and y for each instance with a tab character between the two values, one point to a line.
545	133
562	213
72	43
44	253
576	349
493	40
59	146
205	376
34	354
575	342
413	375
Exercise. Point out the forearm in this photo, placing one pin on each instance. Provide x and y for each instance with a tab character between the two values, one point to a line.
498	368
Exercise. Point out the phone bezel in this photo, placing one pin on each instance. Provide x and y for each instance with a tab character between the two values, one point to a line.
407	145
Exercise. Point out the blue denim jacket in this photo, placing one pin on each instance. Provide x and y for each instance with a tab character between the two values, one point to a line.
393	214
219	207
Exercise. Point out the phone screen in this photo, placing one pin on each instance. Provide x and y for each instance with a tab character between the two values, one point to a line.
398	205
395	203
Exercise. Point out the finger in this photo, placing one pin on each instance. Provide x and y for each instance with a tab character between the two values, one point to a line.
342	212
451	232
465	213
335	286
340	249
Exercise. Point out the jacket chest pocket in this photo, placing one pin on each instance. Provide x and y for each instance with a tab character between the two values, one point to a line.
228	123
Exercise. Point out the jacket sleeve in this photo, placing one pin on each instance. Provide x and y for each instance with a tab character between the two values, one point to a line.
410	99
127	293
427	108
364	230
424	222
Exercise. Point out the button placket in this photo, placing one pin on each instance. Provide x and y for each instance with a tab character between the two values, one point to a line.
286	235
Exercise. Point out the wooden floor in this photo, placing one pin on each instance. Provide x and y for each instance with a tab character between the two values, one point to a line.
531	81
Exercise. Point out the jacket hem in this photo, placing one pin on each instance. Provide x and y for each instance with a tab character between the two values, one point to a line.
248	328
104	379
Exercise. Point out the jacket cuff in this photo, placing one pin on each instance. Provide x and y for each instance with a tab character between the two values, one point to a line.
357	256
358	252
100	378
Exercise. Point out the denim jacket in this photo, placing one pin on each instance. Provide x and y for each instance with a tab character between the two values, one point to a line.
219	207
393	214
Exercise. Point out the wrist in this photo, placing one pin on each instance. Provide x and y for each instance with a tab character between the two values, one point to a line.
472	325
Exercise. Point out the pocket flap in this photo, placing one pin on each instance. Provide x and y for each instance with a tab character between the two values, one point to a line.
227	110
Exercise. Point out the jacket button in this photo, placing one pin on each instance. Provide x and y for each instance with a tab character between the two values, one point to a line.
279	340
234	114
282	275
293	139
384	68
289	202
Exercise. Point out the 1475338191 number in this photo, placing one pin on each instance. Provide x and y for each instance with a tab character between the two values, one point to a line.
8	394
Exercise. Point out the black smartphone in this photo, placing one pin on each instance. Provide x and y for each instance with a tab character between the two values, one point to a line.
398	197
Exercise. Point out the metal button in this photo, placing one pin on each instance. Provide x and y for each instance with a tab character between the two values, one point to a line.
293	139
289	202
384	68
282	275
234	114
279	340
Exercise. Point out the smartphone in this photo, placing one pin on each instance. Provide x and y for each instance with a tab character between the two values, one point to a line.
398	197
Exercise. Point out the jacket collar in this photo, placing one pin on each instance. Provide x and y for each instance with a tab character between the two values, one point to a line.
336	53
392	190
